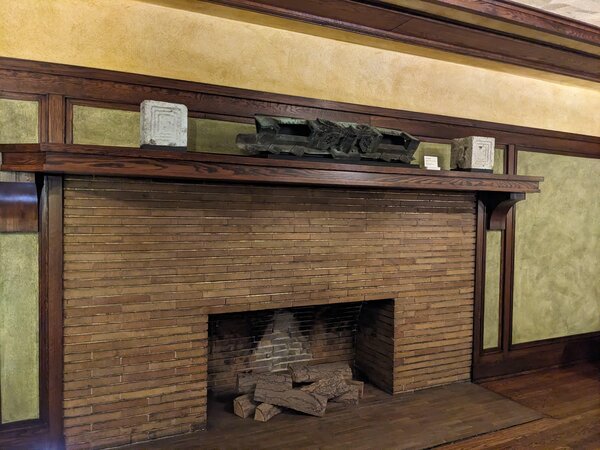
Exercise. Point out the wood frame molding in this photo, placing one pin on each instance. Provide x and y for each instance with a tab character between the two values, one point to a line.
508	358
135	162
97	87
524	15
59	87
387	21
45	432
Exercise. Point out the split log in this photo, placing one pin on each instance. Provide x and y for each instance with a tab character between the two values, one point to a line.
246	381
244	406
266	411
360	385
329	387
349	398
280	394
302	373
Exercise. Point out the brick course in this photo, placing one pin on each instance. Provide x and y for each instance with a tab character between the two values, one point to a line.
146	262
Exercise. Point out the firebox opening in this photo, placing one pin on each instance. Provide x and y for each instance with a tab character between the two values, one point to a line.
357	333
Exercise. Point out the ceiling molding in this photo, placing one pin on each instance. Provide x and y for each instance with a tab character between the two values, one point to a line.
521	14
390	22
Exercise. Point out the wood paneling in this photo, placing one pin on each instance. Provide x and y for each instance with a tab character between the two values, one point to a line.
145	262
126	90
555	352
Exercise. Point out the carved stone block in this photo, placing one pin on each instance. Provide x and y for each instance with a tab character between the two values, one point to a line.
474	153
163	125
320	137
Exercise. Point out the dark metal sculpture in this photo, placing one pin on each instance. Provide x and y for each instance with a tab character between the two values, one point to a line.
340	140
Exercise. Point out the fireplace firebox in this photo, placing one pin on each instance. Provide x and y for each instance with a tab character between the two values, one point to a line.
357	333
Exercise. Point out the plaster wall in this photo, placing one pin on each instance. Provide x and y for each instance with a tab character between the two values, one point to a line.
557	249
154	39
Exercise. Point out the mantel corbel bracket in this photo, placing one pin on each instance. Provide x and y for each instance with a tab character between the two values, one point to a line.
497	205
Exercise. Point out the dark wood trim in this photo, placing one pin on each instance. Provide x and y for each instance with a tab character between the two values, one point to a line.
387	21
135	162
85	84
46	432
19	206
479	293
56	118
539	355
527	16
516	358
54	305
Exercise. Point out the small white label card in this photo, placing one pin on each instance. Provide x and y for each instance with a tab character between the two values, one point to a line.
431	162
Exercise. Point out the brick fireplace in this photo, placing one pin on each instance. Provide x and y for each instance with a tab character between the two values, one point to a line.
146	263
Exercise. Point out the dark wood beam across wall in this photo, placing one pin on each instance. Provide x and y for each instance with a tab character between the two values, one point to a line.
104	88
135	162
384	20
527	16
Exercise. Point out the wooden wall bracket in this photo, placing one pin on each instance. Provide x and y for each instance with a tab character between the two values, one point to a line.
497	205
18	207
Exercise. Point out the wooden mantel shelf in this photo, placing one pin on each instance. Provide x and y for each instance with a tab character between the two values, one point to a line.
135	162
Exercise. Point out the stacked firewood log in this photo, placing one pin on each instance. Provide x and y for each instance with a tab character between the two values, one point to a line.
303	388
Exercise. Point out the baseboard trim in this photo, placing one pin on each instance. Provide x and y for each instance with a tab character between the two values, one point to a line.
537	355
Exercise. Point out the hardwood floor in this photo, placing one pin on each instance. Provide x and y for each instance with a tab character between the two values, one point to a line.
568	397
558	408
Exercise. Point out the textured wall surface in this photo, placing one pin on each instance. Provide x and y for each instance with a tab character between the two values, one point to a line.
103	126
216	136
19	349
491	298
18	121
557	263
145	262
181	44
19	357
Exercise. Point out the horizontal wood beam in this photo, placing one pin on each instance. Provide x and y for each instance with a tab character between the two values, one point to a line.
527	16
134	162
103	88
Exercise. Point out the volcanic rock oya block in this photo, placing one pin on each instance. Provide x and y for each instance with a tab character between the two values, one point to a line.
474	153
163	125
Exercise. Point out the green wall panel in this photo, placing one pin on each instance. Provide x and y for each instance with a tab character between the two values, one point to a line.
215	136
557	249
19	335
18	121
19	312
442	151
103	126
491	297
